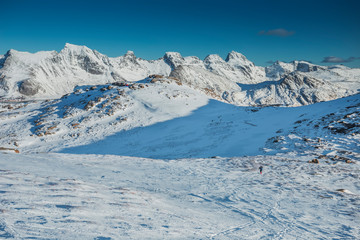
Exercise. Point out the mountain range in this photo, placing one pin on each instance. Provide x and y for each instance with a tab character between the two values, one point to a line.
236	80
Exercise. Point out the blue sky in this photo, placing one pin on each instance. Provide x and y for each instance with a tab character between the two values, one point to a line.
324	32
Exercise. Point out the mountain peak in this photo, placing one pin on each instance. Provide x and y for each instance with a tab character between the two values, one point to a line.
130	56
235	56
129	53
174	59
10	52
75	48
172	55
213	58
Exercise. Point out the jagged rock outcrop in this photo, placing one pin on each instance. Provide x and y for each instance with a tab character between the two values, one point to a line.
173	59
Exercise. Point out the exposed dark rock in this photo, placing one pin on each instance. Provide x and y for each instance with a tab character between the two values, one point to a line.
156	76
90	66
120	84
89	105
173	59
117	77
2	61
306	67
314	161
29	88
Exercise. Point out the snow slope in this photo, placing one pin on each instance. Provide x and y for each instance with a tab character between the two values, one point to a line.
157	119
59	196
220	129
92	113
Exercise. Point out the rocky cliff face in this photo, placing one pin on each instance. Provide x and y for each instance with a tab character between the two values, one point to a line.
235	79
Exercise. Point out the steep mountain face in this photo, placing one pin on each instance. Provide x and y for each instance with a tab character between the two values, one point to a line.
235	80
174	59
245	67
236	68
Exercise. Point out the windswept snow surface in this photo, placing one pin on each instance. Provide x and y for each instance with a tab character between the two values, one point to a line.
62	196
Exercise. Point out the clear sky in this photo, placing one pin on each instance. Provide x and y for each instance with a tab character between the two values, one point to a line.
323	32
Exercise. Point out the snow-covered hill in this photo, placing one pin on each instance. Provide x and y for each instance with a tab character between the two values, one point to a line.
93	112
52	74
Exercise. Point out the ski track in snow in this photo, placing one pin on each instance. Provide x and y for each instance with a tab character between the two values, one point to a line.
62	196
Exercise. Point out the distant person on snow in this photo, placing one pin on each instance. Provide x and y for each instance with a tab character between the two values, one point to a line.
261	168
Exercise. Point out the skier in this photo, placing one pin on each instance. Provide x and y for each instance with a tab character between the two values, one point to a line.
261	168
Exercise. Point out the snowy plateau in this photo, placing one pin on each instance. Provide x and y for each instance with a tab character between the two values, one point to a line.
93	147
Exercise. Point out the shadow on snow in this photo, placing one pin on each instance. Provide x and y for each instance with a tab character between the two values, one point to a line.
217	129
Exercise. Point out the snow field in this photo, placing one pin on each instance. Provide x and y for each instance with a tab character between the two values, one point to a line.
62	196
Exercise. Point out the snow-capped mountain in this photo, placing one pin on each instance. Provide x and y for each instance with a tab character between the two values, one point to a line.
235	80
52	74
